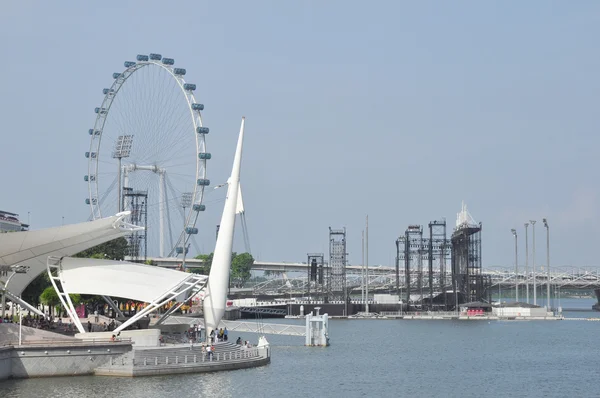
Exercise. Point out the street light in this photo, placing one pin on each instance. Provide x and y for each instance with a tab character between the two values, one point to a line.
186	201
533	262
514	232
527	261
547	257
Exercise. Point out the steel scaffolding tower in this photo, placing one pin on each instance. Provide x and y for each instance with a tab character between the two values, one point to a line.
316	277
438	252
336	281
136	202
410	249
467	277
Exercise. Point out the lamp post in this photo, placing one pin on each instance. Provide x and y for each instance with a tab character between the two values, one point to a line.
367	266
527	261
533	261
514	232
186	201
547	258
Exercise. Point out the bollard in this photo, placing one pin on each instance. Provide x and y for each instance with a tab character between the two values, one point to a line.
194	358
185	359
155	360
218	355
133	361
176	359
203	356
167	361
145	363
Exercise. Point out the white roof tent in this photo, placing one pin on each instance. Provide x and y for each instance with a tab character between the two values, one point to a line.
25	253
29	249
153	285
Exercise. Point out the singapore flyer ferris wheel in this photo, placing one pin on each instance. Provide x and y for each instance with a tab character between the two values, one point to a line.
148	155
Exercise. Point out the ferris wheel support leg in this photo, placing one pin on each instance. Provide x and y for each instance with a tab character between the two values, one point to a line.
161	215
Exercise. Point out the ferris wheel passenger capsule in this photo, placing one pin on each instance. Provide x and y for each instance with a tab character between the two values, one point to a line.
189	87
198	107
155	57
202	130
191	231
108	91
129	64
199	207
94	132
203	182
142	57
116	75
204	155
179	71
168	61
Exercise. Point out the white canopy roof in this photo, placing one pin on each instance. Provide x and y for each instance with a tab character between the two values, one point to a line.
31	248
134	281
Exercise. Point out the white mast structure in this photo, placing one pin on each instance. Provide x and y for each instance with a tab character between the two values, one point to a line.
218	278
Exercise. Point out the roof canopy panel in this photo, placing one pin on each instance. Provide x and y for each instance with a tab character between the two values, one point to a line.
31	248
119	278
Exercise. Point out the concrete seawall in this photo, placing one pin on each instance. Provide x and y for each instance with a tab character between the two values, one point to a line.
51	359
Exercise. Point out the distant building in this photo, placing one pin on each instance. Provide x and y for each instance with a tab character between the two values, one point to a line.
9	222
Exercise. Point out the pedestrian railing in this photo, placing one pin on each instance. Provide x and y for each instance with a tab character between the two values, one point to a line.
179	359
70	342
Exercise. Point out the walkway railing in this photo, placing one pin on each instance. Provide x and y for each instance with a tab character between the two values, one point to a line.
179	359
71	342
419	313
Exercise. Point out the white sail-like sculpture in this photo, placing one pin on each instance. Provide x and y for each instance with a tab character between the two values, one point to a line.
218	279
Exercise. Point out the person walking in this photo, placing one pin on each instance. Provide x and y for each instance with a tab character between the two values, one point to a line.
225	334
89	326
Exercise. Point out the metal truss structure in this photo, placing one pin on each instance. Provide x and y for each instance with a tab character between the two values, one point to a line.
467	273
386	280
137	202
410	249
336	281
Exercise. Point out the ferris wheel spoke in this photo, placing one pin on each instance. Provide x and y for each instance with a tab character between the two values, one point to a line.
147	102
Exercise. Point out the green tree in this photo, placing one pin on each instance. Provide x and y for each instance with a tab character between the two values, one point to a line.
49	298
206	262
241	265
112	250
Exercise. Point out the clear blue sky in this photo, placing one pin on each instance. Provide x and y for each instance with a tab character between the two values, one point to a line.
398	110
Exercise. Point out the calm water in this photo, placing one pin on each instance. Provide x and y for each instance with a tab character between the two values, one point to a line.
386	358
